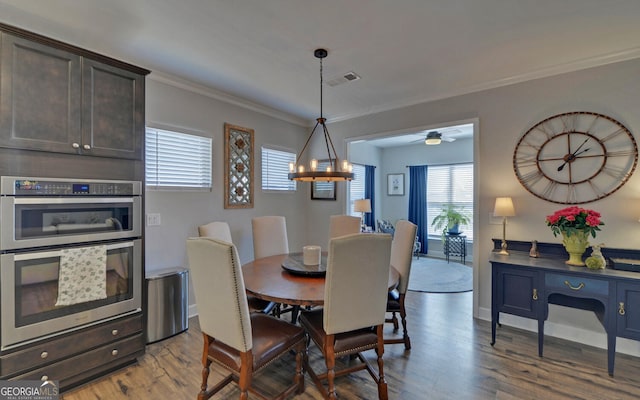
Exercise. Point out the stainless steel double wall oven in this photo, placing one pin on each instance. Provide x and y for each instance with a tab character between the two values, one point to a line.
42	218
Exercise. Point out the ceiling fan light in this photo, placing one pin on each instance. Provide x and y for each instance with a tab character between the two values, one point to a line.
433	138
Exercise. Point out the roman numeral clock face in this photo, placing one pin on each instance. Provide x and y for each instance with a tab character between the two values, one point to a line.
575	157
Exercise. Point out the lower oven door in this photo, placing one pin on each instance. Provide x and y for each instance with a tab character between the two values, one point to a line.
44	293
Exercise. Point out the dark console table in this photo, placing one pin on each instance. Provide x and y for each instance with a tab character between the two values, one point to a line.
525	286
455	246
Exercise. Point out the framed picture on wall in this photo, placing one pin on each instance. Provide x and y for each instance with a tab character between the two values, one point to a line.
395	184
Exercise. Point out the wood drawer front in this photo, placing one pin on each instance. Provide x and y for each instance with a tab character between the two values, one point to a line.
574	285
87	361
65	346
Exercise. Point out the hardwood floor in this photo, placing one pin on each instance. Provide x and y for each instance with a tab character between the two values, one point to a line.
451	358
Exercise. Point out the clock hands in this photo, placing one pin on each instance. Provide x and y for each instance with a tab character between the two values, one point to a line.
570	157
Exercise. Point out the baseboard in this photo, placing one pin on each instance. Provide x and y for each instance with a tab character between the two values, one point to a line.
193	310
566	332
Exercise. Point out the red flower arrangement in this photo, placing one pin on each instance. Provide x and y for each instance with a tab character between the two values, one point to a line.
570	220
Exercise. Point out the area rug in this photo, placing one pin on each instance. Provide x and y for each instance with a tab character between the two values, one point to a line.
437	276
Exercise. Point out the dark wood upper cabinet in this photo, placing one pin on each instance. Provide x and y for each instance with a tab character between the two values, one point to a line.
57	100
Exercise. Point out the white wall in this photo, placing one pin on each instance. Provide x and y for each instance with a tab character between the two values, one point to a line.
182	211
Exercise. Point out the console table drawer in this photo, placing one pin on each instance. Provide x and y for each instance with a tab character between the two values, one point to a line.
573	285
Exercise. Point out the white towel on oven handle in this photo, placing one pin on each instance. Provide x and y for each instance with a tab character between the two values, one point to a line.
83	275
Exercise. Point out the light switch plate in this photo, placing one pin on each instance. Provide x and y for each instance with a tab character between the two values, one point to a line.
153	219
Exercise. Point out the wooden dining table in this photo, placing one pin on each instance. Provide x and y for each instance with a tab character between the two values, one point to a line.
266	279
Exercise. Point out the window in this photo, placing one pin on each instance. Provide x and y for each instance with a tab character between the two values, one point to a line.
356	188
450	184
275	169
177	160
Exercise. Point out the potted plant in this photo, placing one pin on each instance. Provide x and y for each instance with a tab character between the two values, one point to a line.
450	219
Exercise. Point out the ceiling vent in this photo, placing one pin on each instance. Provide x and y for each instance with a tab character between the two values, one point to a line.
348	77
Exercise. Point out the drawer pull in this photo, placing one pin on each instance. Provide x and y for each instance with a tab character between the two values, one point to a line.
621	308
580	286
44	354
75	145
114	332
86	147
114	352
535	294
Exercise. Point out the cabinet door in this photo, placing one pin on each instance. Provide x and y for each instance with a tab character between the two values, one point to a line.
113	111
517	291
628	310
40	100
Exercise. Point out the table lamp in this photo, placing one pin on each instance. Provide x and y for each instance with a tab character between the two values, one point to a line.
362	206
504	208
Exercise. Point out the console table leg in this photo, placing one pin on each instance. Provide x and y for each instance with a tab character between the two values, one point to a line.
611	351
540	336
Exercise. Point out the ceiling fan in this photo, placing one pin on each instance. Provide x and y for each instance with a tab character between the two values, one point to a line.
436	137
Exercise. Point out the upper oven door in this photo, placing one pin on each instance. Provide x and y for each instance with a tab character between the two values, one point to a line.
29	222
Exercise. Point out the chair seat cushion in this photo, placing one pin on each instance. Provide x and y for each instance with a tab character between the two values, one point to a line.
271	338
345	343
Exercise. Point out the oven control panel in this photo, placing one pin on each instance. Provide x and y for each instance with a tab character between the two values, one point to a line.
17	186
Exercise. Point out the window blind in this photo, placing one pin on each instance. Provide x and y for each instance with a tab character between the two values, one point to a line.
275	169
356	188
450	184
177	160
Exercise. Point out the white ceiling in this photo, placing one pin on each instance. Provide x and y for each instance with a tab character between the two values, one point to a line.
406	51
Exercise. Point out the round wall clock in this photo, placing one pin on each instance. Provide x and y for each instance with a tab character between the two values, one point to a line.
575	157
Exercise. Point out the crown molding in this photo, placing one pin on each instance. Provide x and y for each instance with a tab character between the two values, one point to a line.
546	72
207	91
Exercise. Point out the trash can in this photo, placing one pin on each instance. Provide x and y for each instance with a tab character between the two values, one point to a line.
167	303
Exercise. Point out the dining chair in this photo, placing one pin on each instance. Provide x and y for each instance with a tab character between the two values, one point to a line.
241	342
220	230
216	229
340	225
402	249
269	236
339	330
270	239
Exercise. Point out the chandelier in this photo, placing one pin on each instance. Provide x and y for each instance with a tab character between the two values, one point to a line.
335	171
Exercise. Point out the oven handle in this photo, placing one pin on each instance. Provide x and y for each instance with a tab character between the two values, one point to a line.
75	200
58	253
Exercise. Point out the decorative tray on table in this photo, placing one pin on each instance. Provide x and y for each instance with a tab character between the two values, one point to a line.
294	265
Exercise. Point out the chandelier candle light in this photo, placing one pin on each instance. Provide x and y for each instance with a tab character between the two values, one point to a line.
335	171
504	208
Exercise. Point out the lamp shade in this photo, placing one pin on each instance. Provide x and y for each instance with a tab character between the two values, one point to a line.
504	207
363	205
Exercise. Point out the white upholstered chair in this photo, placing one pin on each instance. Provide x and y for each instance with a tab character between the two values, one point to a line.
352	318
340	225
216	229
241	342
269	236
220	230
402	249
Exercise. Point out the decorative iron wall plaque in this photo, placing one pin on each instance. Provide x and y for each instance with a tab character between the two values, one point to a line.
238	167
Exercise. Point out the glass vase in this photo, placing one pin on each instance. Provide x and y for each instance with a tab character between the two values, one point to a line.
575	244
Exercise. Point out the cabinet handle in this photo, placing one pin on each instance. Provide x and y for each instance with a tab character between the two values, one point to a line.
535	294
44	354
114	352
621	308
86	147
114	332
75	145
580	286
